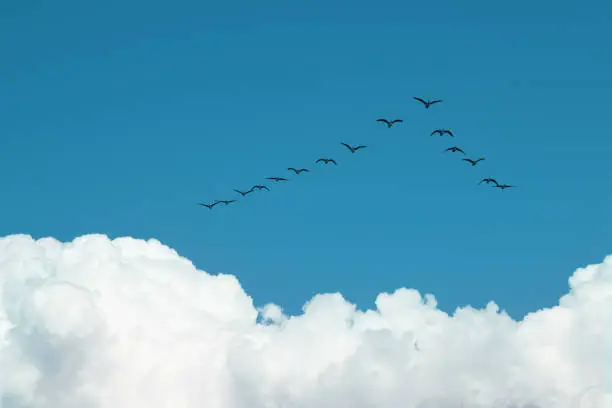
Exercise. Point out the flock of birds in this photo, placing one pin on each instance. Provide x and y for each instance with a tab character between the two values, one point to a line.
353	149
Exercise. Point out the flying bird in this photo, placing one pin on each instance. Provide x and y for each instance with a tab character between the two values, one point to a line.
243	193
259	187
297	171
502	187
427	103
442	132
389	123
354	149
209	206
454	149
489	181
473	162
276	179
327	161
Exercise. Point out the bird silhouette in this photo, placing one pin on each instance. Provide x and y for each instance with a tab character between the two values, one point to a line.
427	103
442	132
297	171
504	186
243	193
473	162
454	149
259	187
327	161
227	202
389	123
355	148
489	180
277	179
209	206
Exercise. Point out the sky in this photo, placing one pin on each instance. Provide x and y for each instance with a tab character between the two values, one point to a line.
119	118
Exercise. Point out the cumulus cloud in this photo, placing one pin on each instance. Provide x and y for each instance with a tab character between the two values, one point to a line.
130	323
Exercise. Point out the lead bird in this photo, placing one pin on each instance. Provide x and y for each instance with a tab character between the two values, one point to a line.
298	171
354	149
473	162
277	179
427	103
442	132
326	161
489	180
243	193
390	123
454	149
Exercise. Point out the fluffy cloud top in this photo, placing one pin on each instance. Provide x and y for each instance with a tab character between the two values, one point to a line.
129	323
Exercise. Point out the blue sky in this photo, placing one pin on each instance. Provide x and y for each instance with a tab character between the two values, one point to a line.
119	118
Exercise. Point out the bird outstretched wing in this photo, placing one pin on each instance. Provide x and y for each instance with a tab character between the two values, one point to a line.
383	121
421	100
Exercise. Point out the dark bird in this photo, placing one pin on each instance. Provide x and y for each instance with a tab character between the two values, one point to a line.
442	132
389	123
297	171
209	206
226	202
473	162
489	181
276	179
327	161
354	149
503	186
259	187
243	193
427	103
454	149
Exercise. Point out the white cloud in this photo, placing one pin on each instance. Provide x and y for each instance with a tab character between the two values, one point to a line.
129	323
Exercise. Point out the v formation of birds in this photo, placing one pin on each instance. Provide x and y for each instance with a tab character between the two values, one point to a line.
353	149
